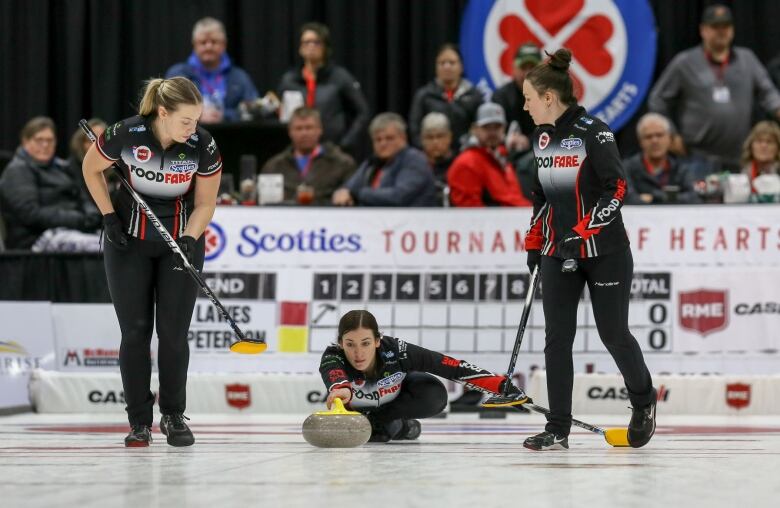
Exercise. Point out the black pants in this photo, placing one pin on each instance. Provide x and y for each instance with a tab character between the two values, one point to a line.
609	282
144	285
422	395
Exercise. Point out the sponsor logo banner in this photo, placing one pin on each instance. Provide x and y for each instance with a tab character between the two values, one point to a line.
738	395
613	45
704	311
242	240
238	396
26	343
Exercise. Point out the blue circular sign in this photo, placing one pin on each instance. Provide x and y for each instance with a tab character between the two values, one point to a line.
216	241
613	46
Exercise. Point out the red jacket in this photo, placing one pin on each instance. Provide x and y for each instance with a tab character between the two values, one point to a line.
477	178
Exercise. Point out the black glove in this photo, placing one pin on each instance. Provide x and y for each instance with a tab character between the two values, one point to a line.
187	245
569	246
91	222
533	259
511	389
112	227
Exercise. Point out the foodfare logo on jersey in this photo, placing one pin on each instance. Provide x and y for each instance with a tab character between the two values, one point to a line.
613	45
703	311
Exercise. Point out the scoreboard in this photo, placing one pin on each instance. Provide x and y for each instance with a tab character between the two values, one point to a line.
474	312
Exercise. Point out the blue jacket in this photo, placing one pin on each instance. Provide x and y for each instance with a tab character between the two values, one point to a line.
406	181
238	84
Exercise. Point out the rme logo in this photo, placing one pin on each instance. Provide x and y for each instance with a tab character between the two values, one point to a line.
703	311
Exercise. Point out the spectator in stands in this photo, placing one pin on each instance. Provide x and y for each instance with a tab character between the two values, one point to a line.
436	142
761	151
449	93
655	175
510	97
79	144
482	174
330	88
395	175
223	85
308	165
38	192
709	93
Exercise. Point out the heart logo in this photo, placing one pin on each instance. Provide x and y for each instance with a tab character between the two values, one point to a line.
587	41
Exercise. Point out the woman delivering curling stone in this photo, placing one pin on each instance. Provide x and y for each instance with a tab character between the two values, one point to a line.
174	165
577	235
386	378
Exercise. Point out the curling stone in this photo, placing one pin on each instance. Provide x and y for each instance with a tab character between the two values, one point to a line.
337	428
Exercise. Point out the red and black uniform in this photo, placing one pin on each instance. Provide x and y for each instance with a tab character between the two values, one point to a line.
402	389
579	188
141	279
580	185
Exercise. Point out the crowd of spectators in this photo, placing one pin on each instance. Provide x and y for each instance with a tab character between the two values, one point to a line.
456	147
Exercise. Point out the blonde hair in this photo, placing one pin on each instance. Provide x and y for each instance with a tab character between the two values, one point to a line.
169	93
763	128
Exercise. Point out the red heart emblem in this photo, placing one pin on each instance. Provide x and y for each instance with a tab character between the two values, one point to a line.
587	43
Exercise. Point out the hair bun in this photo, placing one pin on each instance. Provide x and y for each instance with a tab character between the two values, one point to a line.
560	60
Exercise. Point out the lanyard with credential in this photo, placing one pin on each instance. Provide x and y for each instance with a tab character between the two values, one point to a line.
718	68
206	82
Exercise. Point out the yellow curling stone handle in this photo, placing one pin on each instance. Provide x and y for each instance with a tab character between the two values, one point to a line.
338	409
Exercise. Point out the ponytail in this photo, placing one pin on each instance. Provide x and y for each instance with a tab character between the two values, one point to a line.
553	75
168	93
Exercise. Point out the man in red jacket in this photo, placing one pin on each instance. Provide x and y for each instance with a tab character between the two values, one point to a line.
482	174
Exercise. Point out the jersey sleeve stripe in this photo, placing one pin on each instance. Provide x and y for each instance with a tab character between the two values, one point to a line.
105	156
209	175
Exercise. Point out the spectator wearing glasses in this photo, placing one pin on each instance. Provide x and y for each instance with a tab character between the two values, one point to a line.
449	93
222	84
330	88
38	192
655	176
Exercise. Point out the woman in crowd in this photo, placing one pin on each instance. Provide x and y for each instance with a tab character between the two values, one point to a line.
449	93
38	192
329	88
761	151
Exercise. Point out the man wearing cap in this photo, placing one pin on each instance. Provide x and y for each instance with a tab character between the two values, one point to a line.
482	175
510	97
709	92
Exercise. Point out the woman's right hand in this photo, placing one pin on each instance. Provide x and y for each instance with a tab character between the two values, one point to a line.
345	394
114	231
533	259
